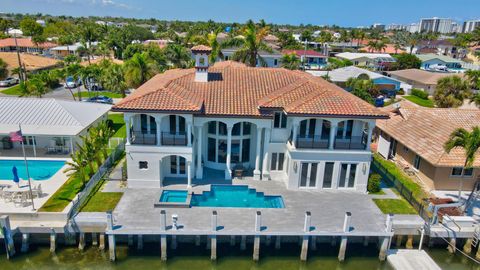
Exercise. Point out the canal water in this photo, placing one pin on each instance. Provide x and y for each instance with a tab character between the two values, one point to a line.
194	258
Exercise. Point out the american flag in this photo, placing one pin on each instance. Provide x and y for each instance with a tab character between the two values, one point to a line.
16	136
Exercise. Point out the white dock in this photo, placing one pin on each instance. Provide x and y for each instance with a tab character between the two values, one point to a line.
410	259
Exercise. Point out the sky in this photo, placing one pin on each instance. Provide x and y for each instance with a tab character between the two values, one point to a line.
318	12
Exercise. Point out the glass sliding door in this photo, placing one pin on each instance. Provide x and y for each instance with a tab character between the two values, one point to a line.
308	175
347	175
328	175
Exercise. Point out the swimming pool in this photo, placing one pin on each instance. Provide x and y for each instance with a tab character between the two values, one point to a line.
39	169
235	196
174	196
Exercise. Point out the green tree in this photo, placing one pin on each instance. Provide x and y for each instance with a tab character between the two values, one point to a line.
88	33
77	166
450	92
290	61
31	28
287	41
139	69
178	56
364	83
469	142
250	44
113	78
406	61
363	94
34	87
3	69
306	35
473	77
132	49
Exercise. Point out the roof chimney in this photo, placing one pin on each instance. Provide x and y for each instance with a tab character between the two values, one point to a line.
201	54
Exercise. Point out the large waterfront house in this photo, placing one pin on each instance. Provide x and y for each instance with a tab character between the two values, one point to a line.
269	59
377	61
414	136
50	127
310	59
271	124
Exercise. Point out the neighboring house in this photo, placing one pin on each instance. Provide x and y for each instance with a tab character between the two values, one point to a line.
310	58
429	61
419	78
29	61
378	61
162	43
390	49
272	124
272	59
74	49
50	126
340	76
440	47
24	45
414	136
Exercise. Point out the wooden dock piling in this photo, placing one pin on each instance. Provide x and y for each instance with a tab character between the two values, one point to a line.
343	241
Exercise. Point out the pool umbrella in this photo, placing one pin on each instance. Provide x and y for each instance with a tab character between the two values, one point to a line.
16	179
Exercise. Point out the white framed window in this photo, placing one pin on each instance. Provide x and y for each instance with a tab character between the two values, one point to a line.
347	175
279	120
143	165
277	161
457	172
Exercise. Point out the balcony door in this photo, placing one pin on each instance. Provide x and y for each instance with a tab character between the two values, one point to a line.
308	175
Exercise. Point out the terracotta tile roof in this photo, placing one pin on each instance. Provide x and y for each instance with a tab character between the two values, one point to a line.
425	130
201	48
24	42
236	90
31	62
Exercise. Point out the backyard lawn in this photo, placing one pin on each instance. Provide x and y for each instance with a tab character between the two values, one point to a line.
86	94
64	195
102	201
394	206
12	91
118	125
420	101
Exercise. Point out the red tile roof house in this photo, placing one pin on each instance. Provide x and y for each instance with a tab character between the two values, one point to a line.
312	59
24	45
270	124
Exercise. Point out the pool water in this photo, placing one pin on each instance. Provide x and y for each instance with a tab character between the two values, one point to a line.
174	196
235	196
39	169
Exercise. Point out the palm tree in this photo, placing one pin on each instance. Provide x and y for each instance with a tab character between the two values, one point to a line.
101	134
250	44
470	143
113	78
3	69
290	61
473	77
74	70
139	69
178	56
372	45
213	43
450	92
77	167
88	34
413	40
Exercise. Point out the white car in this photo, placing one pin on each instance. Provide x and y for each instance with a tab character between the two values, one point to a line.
9	81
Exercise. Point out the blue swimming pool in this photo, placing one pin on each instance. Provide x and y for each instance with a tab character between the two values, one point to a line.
235	196
39	169
174	196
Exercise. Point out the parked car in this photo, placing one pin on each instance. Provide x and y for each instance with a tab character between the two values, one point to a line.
100	99
71	83
9	81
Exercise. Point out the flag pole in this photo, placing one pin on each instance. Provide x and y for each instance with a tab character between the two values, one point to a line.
26	167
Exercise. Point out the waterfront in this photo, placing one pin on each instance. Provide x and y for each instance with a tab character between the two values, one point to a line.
189	257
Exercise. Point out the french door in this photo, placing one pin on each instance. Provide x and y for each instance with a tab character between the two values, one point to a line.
308	176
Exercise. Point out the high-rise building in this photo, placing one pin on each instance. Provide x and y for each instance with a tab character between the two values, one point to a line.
379	26
413	28
438	25
469	26
395	26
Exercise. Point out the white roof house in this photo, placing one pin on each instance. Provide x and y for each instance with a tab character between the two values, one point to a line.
48	117
343	74
353	56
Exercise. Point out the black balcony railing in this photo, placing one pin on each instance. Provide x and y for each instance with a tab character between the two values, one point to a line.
351	143
312	142
141	138
169	138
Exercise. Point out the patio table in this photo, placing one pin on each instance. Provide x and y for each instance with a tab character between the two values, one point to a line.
15	188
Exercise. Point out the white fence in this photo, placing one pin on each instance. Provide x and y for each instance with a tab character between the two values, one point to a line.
82	196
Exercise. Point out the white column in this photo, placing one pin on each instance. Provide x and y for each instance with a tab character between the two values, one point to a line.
189	134
71	144
159	131
127	125
333	132
34	142
228	171
294	135
371	126
256	172
199	153
266	142
189	174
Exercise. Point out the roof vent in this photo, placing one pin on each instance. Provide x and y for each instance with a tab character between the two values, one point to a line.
201	54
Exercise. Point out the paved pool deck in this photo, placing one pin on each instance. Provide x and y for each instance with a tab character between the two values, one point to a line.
135	213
